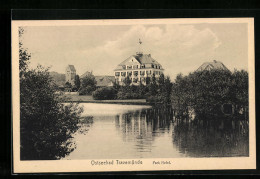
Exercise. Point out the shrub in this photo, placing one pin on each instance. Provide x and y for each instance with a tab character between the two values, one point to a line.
104	93
87	90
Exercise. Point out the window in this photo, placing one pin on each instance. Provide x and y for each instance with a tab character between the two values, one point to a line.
129	67
123	73
124	67
159	67
117	73
135	73
142	73
129	73
135	80
152	66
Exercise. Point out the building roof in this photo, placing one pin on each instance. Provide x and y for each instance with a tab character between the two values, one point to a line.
212	65
71	67
141	58
86	74
104	80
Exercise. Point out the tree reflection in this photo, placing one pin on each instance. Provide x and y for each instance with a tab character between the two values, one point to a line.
211	138
224	137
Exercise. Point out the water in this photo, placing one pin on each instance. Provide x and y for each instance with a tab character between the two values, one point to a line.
133	131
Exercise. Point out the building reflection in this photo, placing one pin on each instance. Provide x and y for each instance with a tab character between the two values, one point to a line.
211	138
142	127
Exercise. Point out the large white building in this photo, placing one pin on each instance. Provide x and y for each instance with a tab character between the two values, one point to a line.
138	67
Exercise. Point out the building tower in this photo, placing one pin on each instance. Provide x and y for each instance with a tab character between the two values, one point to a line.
70	74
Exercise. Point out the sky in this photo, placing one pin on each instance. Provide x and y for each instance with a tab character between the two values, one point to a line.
178	48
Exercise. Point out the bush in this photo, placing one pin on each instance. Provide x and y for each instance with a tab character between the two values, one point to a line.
104	93
87	90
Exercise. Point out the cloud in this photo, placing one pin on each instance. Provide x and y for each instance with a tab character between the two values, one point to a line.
179	48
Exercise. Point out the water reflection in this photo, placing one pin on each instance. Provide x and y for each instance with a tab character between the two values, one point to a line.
155	133
211	138
143	127
194	138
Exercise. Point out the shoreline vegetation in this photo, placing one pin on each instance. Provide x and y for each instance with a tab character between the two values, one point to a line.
210	94
89	99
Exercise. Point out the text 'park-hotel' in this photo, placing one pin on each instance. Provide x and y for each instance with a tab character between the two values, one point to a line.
138	67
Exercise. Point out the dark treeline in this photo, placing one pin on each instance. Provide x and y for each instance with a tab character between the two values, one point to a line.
209	94
205	93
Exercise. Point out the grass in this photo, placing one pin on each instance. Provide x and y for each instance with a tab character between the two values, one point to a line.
89	99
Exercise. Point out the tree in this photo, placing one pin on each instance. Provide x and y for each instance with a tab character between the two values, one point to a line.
24	56
116	86
46	125
127	81
168	89
77	82
153	86
104	93
88	80
88	84
206	92
68	85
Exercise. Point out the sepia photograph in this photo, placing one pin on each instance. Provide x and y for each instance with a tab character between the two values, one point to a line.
133	95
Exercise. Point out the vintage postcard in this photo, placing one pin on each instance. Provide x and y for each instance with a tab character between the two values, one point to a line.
133	95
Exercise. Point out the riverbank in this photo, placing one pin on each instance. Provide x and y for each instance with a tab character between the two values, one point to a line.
89	99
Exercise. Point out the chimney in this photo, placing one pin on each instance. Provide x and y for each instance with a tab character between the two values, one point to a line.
215	61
